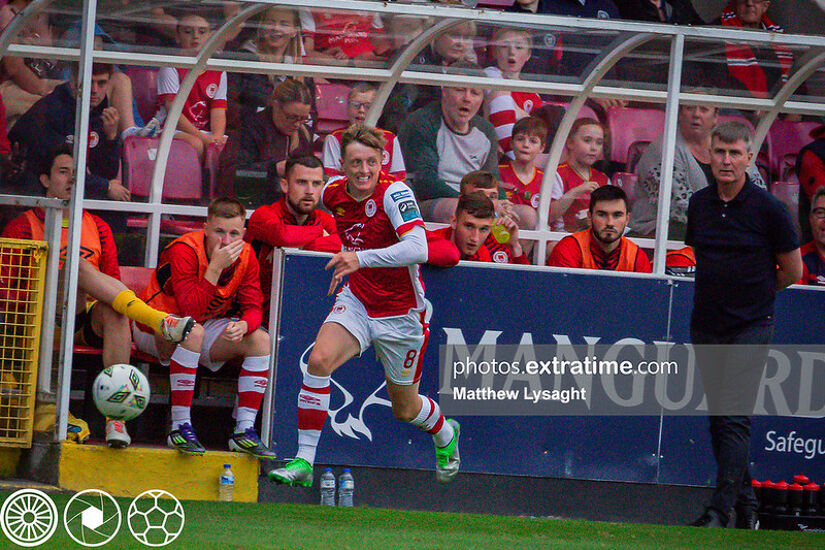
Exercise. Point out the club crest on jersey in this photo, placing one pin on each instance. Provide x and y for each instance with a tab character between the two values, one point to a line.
528	105
370	208
211	89
94	139
500	257
534	201
339	308
385	158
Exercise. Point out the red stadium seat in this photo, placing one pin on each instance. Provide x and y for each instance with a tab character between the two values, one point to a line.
210	163
627	181
331	101
136	278
144	90
183	179
788	194
628	126
584	112
785	139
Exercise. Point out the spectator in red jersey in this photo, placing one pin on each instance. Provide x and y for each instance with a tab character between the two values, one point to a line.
278	39
104	304
213	275
520	178
471	227
295	220
810	169
602	246
359	101
511	49
757	70
343	35
203	120
576	178
813	253
267	138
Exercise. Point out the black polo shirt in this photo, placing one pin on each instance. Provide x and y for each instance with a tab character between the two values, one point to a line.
736	244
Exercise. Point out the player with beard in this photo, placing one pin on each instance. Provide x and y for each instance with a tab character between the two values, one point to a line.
602	246
294	221
382	304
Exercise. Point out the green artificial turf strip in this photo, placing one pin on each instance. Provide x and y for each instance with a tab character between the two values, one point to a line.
230	526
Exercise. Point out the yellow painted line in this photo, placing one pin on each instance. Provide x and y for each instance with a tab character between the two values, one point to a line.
129	472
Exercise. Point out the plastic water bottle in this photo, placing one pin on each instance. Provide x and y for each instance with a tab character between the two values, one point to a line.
226	484
327	488
346	487
500	233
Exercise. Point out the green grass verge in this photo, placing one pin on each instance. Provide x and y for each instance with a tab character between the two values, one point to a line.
235	526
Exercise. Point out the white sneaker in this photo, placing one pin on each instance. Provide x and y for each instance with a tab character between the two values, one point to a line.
116	435
176	329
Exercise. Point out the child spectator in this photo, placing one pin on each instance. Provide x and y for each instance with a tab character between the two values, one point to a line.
203	119
576	177
342	35
520	178
277	40
511	50
359	101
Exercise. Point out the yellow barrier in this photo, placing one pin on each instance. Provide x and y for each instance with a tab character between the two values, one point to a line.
22	278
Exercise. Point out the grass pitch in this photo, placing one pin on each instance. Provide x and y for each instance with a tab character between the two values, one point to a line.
236	526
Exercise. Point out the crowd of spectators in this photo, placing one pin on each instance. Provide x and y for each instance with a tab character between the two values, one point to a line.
435	136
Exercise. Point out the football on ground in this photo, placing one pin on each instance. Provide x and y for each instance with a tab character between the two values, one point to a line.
121	392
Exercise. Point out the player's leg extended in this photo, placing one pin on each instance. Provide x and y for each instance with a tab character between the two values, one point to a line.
334	346
252	382
400	347
109	290
183	367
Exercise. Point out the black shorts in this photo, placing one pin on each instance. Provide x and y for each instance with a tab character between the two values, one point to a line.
83	331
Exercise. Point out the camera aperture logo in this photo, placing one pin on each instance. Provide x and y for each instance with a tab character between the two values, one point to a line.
92	518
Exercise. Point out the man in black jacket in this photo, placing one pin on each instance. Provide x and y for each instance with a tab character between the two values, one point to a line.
679	12
51	122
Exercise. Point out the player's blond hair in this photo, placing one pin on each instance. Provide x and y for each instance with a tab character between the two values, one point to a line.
365	135
225	207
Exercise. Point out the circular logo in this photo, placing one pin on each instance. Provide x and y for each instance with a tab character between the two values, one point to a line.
528	105
500	257
92	518
94	139
385	158
370	208
601	14
339	308
534	200
549	40
28	517
211	89
155	518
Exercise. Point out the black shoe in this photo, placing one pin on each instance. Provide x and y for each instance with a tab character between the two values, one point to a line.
710	518
746	518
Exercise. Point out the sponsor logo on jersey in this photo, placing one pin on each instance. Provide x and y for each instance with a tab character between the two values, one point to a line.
500	257
398	195
370	208
409	210
211	90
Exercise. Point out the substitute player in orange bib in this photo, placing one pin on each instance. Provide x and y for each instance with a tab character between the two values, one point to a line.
382	304
104	304
212	275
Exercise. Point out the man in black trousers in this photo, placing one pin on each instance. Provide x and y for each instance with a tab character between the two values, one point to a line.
746	250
